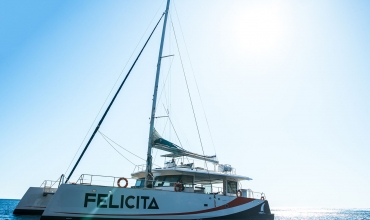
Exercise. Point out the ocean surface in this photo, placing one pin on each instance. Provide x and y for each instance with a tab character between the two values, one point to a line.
8	205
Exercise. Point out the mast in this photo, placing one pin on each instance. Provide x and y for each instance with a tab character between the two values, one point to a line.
148	172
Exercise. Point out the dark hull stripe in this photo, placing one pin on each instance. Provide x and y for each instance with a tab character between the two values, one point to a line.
27	212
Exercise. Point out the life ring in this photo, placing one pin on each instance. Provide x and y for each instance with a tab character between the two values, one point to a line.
178	187
119	180
262	197
239	193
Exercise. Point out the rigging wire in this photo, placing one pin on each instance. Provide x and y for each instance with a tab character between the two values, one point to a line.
156	152
112	89
115	148
111	103
169	118
122	147
169	106
192	107
200	97
181	130
160	96
191	102
164	83
164	86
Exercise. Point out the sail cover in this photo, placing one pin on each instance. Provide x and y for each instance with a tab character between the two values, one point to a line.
177	151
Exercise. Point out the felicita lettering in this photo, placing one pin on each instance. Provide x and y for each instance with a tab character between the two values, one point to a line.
131	202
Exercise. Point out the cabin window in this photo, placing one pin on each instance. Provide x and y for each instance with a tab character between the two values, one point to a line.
166	180
231	187
187	181
172	179
207	188
139	183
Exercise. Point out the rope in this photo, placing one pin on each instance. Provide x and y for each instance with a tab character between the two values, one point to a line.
123	147
115	148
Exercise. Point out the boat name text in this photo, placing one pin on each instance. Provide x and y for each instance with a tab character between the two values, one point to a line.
106	201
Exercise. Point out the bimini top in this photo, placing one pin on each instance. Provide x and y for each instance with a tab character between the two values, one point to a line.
177	151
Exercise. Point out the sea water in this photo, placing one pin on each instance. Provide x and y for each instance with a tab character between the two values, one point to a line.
7	207
320	214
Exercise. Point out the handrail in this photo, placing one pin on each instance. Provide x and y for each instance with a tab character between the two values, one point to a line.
251	194
49	184
52	182
89	179
142	167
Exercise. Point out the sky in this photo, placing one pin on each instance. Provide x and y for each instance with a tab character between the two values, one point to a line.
284	86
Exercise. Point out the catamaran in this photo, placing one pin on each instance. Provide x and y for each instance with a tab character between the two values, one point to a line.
177	190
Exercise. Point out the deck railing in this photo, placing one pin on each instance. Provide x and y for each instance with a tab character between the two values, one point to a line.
51	186
231	170
139	168
99	180
255	195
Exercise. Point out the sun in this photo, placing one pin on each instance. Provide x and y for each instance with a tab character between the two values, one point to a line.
258	27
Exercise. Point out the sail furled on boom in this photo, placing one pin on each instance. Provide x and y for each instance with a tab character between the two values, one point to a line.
177	151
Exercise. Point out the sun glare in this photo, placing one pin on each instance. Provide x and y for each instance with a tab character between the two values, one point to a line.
258	28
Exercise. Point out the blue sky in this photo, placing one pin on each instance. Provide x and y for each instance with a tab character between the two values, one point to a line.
285	85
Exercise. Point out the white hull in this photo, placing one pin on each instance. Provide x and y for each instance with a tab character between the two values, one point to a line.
100	202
